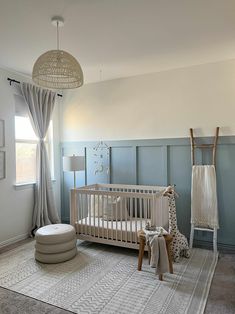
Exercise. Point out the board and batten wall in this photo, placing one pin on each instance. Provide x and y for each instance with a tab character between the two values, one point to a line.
160	162
16	202
145	121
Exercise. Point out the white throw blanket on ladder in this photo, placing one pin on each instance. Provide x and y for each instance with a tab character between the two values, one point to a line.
204	208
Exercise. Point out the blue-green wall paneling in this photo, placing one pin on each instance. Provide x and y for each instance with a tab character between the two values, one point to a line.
179	169
162	161
225	169
150	165
122	165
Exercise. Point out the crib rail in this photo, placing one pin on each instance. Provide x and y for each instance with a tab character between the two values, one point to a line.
114	213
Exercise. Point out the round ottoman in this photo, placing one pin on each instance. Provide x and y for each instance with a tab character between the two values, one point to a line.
55	243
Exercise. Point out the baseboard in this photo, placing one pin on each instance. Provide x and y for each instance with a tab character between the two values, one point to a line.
223	248
65	220
14	240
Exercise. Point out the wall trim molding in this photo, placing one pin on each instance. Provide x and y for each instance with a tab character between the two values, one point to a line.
225	248
14	240
183	141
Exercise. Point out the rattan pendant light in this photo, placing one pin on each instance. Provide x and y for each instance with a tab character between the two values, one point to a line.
57	69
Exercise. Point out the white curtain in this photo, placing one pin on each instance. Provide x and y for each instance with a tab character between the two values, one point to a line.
40	103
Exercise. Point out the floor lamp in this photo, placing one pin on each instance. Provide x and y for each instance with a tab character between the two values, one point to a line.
74	163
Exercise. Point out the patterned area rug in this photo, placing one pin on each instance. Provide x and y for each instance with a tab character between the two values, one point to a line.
104	279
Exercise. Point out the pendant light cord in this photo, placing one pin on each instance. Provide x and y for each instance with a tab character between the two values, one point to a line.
100	75
57	27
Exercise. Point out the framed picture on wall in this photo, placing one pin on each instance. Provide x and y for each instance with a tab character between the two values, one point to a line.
2	133
2	165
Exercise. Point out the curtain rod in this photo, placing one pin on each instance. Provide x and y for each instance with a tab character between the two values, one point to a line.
18	82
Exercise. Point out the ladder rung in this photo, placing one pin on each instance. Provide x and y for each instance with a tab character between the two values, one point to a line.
204	145
204	229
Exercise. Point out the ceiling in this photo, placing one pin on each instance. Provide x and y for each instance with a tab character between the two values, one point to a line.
118	38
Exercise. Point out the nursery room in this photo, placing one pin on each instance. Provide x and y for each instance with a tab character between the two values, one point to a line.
117	149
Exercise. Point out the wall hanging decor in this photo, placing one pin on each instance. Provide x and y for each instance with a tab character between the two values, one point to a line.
2	133
101	157
2	165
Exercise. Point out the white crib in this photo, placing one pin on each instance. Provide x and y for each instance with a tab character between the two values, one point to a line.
114	213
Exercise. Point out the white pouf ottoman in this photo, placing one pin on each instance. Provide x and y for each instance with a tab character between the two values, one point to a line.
55	243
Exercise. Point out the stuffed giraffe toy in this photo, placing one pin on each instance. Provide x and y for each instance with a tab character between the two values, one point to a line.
180	243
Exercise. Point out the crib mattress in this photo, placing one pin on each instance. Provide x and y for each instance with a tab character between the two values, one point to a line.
113	230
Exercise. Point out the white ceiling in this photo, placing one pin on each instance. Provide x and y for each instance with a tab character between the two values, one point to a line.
119	37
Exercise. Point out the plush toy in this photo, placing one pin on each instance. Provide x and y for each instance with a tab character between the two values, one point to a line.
180	245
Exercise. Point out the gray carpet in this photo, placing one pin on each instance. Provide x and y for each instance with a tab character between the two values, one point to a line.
221	299
15	303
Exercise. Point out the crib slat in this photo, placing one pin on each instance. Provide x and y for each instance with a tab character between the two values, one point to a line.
94	213
141	213
84	214
89	214
112	204
107	215
77	207
153	209
121	216
136	229
125	207
102	208
116	212
131	217
98	202
81	202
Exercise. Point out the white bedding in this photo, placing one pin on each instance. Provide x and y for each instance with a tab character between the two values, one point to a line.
116	230
119	225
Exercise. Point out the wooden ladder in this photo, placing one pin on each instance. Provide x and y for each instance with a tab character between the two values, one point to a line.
213	146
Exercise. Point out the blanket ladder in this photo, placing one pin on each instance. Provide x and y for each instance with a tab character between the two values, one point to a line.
213	146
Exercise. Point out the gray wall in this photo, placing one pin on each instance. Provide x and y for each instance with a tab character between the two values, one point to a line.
161	162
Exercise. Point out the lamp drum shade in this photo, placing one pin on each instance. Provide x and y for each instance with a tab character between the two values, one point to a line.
73	163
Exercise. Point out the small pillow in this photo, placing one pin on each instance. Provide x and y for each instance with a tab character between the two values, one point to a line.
116	210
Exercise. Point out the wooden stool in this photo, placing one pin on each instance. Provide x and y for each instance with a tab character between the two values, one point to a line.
142	240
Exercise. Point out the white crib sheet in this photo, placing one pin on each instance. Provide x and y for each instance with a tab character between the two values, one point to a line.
116	230
108	224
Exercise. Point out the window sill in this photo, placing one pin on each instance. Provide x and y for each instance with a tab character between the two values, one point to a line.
26	185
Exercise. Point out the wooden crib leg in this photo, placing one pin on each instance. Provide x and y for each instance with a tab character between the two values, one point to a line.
141	253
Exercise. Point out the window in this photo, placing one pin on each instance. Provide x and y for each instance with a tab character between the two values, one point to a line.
26	146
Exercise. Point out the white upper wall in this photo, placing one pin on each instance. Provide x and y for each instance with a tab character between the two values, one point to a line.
160	105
